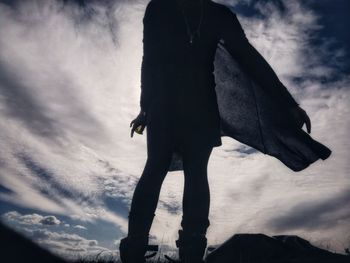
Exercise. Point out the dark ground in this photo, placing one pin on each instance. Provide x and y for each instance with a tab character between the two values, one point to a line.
240	248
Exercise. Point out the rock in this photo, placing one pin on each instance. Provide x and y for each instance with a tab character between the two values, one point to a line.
260	248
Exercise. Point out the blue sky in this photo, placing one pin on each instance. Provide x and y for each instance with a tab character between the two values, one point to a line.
69	87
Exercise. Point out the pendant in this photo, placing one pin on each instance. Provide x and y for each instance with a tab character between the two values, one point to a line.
194	36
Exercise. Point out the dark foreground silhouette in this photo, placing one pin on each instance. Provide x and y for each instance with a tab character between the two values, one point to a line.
259	248
17	249
201	79
240	248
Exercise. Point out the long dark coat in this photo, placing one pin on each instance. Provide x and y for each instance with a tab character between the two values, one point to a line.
218	85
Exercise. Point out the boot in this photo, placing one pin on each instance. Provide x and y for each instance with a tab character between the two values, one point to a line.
191	247
132	249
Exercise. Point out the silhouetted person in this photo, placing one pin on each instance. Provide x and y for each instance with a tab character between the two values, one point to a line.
179	106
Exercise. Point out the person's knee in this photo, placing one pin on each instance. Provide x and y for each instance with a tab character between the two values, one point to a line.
195	171
156	168
196	162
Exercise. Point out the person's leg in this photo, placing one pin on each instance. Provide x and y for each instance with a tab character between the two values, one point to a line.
196	198
192	238
146	195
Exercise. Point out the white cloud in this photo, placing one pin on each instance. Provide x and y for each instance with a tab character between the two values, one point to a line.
30	219
50	220
80	227
68	245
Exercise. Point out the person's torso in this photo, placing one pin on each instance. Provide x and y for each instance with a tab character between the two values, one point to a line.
185	75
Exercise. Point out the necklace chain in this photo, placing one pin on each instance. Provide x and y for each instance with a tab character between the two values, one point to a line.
190	34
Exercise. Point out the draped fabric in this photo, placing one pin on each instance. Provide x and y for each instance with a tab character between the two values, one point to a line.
246	102
249	115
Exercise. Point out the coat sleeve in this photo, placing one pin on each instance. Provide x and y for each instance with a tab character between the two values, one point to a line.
253	63
149	56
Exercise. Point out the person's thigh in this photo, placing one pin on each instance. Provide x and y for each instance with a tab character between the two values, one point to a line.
196	154
160	143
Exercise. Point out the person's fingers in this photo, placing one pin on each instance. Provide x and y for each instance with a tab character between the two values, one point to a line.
300	121
300	117
132	131
132	122
142	128
308	123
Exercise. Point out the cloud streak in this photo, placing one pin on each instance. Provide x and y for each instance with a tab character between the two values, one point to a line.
317	214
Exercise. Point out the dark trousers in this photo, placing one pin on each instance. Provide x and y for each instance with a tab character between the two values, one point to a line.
161	140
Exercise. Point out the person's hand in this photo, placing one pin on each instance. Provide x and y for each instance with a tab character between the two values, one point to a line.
301	117
138	124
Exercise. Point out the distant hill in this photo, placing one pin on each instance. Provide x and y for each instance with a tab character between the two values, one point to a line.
17	249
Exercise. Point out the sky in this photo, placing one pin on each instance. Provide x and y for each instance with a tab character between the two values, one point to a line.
70	86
